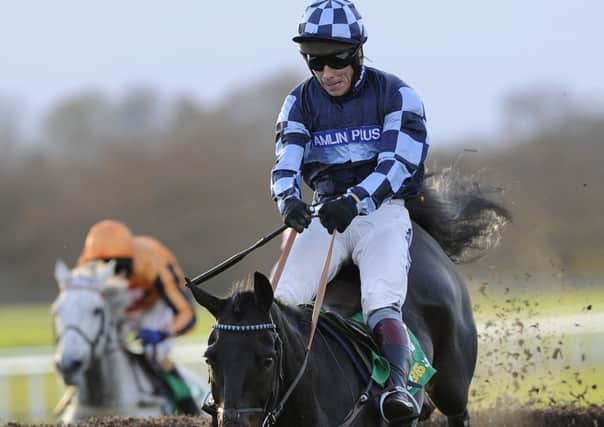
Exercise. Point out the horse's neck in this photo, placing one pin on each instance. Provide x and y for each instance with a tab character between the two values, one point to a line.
294	348
306	397
110	379
294	342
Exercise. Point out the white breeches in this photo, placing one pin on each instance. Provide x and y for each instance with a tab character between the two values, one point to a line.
159	316
377	243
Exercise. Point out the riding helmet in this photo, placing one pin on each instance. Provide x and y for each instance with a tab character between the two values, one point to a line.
107	239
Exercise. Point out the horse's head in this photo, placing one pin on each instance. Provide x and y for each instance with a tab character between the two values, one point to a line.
89	297
244	354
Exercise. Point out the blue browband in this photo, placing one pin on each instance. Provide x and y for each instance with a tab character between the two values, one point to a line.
244	328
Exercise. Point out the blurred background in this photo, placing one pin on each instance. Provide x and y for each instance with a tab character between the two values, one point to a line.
162	116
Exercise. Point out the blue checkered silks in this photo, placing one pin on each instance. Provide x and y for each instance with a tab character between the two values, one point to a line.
372	144
336	20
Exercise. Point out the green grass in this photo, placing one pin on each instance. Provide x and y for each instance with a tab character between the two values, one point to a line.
25	326
577	386
583	383
17	399
499	302
31	326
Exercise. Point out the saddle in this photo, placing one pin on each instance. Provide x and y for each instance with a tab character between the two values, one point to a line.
342	320
343	294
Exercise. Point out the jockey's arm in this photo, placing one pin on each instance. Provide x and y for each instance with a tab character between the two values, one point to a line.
404	147
291	138
173	295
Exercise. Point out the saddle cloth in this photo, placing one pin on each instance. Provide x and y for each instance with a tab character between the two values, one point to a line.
357	341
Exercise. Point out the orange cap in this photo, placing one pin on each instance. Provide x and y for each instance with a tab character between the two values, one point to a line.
107	239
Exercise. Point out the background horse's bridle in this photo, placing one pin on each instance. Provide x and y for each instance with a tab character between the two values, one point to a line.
91	342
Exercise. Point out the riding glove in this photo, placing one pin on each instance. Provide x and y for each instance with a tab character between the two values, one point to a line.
338	213
152	336
297	214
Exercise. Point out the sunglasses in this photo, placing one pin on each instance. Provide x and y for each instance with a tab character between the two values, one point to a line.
336	61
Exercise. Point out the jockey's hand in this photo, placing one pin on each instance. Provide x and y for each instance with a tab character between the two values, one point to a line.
297	214
151	336
338	213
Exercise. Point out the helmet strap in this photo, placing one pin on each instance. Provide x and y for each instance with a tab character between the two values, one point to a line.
357	66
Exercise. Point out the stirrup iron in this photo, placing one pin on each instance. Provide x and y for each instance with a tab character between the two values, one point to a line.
397	389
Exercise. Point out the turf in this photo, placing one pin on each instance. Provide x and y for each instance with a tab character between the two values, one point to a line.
31	326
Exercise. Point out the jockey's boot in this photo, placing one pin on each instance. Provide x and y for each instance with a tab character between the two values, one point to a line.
397	405
181	393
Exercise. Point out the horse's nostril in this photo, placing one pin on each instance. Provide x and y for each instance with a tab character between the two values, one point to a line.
69	367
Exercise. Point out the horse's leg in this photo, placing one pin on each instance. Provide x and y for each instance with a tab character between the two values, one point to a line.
427	407
419	397
449	389
461	420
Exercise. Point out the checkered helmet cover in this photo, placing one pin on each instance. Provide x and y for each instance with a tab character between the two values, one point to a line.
336	20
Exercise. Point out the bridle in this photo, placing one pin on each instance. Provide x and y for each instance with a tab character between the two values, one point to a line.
93	343
270	416
273	401
276	404
273	406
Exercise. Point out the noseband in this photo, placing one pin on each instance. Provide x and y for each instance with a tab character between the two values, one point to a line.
269	416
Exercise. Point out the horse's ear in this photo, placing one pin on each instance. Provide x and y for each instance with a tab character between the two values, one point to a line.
213	304
263	291
62	273
106	271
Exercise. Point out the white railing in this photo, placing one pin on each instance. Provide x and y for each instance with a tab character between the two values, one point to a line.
35	364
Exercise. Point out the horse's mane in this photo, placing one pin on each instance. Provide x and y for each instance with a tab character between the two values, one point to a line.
457	213
242	294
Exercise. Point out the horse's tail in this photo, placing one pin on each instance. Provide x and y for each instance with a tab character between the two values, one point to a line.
455	211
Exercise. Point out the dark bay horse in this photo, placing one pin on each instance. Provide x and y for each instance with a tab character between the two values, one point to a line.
258	346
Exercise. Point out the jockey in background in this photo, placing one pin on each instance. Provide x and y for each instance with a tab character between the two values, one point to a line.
357	136
161	310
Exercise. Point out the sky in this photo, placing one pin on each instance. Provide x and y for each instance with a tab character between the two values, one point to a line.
462	57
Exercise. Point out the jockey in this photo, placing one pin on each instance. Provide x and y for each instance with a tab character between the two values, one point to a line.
161	310
356	136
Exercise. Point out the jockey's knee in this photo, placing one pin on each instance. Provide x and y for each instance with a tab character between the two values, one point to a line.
383	300
287	295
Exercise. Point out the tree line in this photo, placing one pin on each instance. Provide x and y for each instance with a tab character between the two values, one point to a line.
197	178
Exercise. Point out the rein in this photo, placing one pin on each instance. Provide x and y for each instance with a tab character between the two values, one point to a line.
271	416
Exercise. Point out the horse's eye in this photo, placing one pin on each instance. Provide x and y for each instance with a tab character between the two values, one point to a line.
267	362
97	311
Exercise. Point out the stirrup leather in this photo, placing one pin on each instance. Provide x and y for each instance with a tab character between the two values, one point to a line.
393	391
